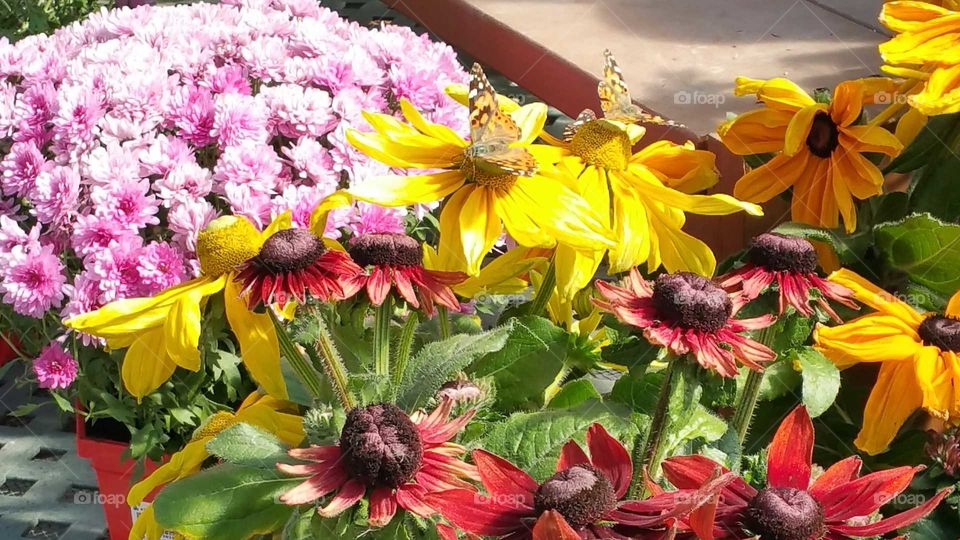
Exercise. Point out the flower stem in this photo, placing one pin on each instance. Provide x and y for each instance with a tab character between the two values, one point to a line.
443	319
403	353
751	391
308	376
381	337
557	383
333	365
547	285
648	452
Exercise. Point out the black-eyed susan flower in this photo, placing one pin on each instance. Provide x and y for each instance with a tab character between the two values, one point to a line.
275	416
688	314
787	264
488	184
917	353
819	148
393	458
393	261
504	274
162	332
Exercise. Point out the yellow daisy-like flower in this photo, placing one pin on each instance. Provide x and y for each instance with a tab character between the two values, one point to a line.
162	332
273	415
478	203
917	352
819	149
925	51
503	275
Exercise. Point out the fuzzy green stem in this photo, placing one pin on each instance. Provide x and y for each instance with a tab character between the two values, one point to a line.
443	319
751	392
333	365
403	352
381	337
308	376
557	383
646	452
547	285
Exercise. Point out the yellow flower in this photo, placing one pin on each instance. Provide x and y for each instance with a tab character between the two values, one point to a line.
819	150
162	332
643	197
917	353
480	201
273	415
503	275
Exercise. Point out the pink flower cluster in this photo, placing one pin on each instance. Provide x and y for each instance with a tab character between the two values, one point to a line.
55	367
126	133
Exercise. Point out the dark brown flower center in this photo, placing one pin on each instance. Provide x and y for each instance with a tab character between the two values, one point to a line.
381	446
691	301
785	514
582	494
941	331
386	249
780	253
290	250
824	136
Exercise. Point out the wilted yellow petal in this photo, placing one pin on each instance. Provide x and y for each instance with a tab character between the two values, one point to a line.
183	463
257	337
146	365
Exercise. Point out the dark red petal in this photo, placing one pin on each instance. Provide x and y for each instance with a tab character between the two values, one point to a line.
571	455
501	477
476	513
552	526
838	474
863	496
401	278
894	522
692	472
791	452
383	506
412	498
608	455
378	285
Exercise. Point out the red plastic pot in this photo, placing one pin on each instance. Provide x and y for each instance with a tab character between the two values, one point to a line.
6	352
115	475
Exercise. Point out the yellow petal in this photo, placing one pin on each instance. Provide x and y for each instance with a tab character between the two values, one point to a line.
413	151
530	119
283	221
259	347
870	139
389	125
561	212
910	125
906	16
182	328
480	226
648	185
678	250
782	94
631	227
953	306
870	338
799	128
681	167
893	399
268	414
935	376
146	365
848	99
772	178
501	275
745	86
146	526
437	131
756	132
521	225
941	93
460	94
876	298
318	218
407	190
183	463
575	270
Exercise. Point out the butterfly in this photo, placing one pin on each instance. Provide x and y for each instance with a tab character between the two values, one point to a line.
492	131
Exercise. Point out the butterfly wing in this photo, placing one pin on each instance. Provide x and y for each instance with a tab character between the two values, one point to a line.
587	115
492	131
615	100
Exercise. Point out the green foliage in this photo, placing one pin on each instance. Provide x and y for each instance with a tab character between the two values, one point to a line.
821	380
926	249
20	18
247	446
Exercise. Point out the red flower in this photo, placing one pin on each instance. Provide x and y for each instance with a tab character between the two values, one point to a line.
791	263
688	314
397	260
398	458
580	501
832	506
292	262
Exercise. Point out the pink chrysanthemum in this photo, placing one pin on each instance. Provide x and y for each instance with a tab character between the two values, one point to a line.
55	367
372	218
129	204
20	168
34	111
185	182
118	270
187	218
230	79
33	281
301	201
11	236
92	234
161	267
110	165
296	111
192	112
250	163
238	118
75	126
164	154
311	162
55	194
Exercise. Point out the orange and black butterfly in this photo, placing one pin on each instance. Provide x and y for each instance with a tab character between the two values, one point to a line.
615	101
492	131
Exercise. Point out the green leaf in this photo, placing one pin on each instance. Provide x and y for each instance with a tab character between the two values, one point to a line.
638	393
687	419
791	332
62	402
574	393
926	249
532	441
528	362
779	379
225	502
250	446
849	248
928	145
299	526
821	380
436	362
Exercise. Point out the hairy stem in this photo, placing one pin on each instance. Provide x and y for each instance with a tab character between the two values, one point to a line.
751	391
547	285
381	337
646	452
308	376
403	352
333	365
443	319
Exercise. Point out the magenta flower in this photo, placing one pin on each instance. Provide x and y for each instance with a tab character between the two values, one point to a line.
118	270
92	234
192	112
55	194
20	168
230	79
33	280
161	266
372	218
129	203
55	367
296	111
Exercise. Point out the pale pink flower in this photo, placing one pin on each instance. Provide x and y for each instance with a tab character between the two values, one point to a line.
111	164
128	203
55	194
296	111
20	168
192	112
229	79
11	236
33	280
300	200
164	153
34	111
75	125
55	367
372	218
187	181
311	162
161	267
92	234
250	201
238	118
117	270
249	163
187	218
